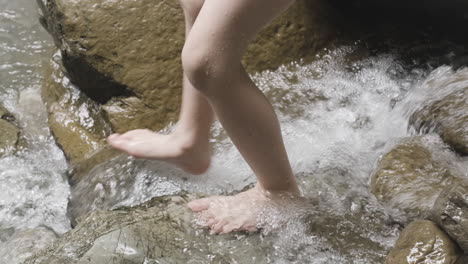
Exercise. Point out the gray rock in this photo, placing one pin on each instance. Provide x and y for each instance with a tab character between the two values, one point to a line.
451	213
24	243
162	231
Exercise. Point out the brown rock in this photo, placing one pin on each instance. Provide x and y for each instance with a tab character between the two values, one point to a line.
446	114
411	176
77	122
122	56
423	242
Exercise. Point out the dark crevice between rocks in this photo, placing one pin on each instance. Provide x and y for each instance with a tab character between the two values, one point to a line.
8	117
97	86
421	33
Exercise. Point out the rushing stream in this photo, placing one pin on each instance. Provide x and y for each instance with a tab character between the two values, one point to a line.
338	116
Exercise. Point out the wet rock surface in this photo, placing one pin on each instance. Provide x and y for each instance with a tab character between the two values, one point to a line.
24	243
451	213
447	116
158	231
423	241
121	56
9	132
162	231
77	123
413	173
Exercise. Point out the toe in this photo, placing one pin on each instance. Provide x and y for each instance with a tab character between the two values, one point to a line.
218	227
199	205
112	137
206	218
251	228
228	229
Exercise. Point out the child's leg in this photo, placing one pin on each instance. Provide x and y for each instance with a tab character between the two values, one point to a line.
211	59
187	146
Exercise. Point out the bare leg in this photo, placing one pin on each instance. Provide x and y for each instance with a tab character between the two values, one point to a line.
187	147
225	28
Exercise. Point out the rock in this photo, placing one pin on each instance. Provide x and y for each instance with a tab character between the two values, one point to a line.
101	182
77	123
451	213
127	61
446	114
24	243
412	174
162	231
422	241
9	132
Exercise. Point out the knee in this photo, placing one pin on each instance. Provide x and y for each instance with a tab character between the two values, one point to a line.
204	69
191	7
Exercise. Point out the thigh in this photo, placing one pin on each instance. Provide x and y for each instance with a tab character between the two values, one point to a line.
227	26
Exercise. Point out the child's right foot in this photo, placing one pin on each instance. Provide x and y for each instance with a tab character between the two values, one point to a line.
193	157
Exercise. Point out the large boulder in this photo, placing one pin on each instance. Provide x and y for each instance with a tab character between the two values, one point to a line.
413	173
9	132
125	55
451	213
446	110
422	241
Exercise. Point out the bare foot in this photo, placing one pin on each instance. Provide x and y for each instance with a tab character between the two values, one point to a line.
185	153
225	214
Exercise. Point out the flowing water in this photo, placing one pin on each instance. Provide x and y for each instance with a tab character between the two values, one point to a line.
33	190
338	116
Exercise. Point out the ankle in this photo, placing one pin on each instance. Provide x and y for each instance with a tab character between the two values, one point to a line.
288	190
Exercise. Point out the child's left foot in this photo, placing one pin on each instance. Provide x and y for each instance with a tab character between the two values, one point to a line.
225	214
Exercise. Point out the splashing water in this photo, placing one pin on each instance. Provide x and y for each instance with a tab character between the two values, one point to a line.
34	192
338	116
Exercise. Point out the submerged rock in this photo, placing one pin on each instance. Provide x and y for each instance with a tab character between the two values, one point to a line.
422	241
123	57
24	243
162	231
447	114
451	213
412	174
9	132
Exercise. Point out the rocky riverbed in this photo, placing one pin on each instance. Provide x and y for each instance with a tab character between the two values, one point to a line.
375	119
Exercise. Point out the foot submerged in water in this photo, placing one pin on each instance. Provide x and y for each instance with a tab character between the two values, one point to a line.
173	148
240	212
